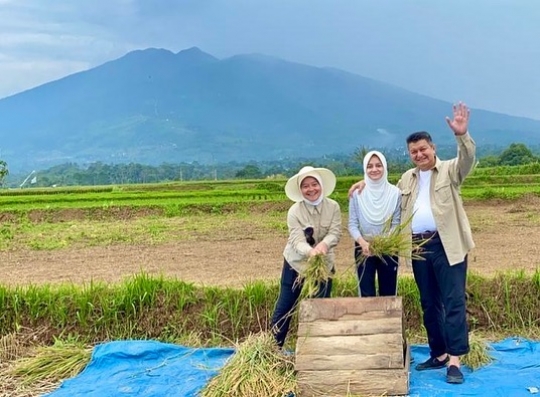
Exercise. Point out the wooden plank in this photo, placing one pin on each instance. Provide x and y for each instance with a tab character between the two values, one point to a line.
342	383
354	344
380	361
364	326
407	357
368	315
337	308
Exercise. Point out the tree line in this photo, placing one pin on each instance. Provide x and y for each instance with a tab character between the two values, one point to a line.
73	174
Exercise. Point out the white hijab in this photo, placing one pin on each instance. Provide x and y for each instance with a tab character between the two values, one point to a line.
379	198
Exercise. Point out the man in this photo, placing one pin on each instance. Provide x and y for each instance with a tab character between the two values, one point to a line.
431	196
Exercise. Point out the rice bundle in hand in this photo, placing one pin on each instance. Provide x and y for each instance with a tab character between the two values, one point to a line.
315	273
257	369
395	241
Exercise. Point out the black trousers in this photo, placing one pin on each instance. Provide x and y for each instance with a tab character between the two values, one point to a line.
442	296
289	293
386	270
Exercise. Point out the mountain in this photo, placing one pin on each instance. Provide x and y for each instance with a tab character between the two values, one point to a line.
153	106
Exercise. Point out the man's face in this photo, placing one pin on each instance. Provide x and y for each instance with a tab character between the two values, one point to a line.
422	154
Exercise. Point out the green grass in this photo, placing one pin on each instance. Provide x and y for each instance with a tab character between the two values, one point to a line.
149	230
217	196
145	306
64	321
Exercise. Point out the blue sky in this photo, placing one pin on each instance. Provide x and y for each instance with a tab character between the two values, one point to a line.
484	52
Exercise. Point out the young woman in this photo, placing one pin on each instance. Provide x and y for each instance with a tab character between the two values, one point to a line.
314	222
371	212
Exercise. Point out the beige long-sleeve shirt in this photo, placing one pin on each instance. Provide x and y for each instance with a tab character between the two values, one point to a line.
325	219
446	203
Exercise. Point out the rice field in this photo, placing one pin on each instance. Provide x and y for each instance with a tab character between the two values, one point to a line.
198	264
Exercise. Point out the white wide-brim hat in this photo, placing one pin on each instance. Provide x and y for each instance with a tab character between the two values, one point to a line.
326	178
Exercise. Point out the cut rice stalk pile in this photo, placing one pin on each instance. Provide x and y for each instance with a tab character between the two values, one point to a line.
257	369
52	363
316	272
10	347
478	355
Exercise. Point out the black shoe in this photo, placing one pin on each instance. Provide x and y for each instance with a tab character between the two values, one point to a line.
432	363
454	375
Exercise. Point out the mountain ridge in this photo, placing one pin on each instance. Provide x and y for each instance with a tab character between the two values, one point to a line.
153	106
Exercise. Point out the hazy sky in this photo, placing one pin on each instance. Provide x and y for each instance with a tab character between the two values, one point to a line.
484	52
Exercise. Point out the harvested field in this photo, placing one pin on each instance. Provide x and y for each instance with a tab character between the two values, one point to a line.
230	249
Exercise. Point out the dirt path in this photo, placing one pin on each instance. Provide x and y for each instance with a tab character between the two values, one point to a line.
507	236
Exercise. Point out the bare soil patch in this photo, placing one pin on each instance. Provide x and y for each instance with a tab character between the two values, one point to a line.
506	235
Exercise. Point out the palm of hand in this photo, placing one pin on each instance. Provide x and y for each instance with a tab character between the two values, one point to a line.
459	124
461	119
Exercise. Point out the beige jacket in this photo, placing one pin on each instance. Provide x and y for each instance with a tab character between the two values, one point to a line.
325	219
446	203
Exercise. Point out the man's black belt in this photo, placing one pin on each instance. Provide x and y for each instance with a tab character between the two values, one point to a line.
425	235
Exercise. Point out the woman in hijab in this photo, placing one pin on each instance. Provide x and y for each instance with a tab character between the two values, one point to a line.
314	223
370	214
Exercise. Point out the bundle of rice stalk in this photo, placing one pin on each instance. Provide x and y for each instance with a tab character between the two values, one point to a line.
478	355
52	363
257	369
10	347
315	273
395	241
12	386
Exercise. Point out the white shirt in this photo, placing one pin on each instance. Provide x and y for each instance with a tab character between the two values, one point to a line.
423	220
446	204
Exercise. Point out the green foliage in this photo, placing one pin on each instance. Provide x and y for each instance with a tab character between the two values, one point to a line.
517	154
489	161
144	177
250	171
360	153
180	198
146	306
3	171
508	170
271	186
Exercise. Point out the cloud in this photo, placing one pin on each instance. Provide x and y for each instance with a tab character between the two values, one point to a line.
35	72
43	42
483	52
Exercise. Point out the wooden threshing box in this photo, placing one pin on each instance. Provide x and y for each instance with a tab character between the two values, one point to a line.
352	346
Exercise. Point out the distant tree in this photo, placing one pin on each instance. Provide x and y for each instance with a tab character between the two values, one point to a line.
516	154
3	171
360	153
395	167
250	171
337	167
488	161
274	170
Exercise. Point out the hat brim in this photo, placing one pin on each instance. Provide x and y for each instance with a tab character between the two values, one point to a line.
328	180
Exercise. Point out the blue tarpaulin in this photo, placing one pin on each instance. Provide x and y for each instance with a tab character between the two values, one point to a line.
144	369
514	372
154	369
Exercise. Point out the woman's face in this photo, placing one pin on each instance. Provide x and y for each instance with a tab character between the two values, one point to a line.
310	188
375	169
